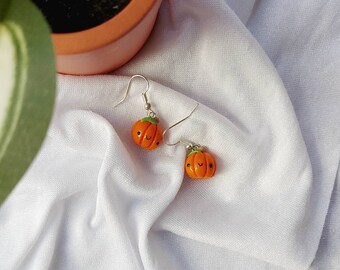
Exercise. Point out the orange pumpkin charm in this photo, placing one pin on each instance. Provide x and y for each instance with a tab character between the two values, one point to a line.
147	133
200	164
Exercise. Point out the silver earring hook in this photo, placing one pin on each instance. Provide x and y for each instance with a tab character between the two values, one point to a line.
188	145
128	88
147	105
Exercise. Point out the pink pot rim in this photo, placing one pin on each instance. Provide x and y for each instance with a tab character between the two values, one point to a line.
103	34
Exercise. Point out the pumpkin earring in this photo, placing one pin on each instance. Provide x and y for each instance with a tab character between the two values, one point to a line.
146	132
199	164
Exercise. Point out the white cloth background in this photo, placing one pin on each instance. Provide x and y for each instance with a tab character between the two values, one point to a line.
265	74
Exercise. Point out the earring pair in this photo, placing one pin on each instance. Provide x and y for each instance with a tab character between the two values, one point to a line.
148	134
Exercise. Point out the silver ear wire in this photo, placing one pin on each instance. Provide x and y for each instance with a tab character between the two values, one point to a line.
147	105
188	145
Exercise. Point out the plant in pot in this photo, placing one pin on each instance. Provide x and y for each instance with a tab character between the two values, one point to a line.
89	37
27	79
98	36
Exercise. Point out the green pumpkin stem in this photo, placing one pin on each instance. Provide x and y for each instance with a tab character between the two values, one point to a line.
194	151
150	120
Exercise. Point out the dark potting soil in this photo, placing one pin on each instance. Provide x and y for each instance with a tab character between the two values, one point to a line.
66	16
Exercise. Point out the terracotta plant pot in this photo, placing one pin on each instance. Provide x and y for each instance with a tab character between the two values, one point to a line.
109	45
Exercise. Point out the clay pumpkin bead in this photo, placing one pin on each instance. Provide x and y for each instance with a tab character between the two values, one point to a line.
200	165
147	133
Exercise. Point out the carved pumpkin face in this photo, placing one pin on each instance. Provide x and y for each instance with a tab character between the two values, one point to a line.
147	133
200	165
